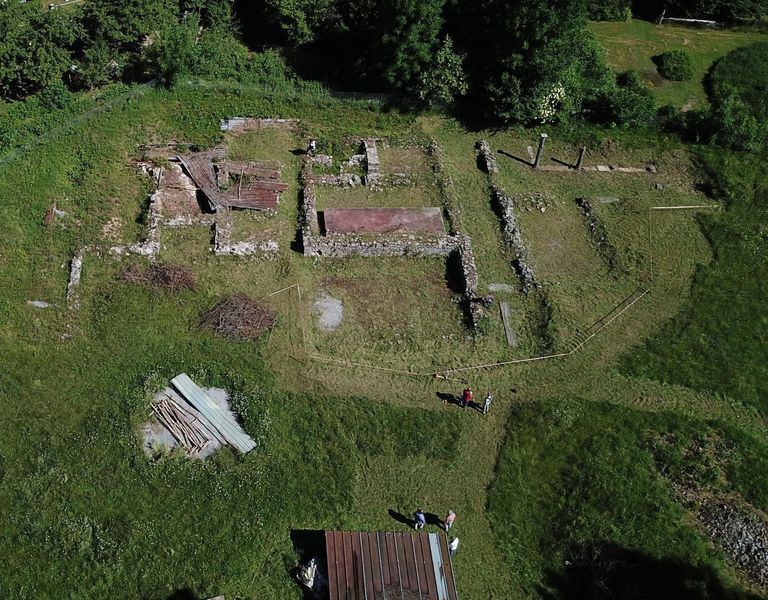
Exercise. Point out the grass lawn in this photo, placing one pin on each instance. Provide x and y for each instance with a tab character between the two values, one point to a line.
564	450
632	44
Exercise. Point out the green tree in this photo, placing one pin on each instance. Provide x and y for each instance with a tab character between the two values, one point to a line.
125	24
300	19
35	48
444	79
99	65
410	31
529	60
609	10
174	51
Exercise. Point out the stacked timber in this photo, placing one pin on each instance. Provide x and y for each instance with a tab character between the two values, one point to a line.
196	422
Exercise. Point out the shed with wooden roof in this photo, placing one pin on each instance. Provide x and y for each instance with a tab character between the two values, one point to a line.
389	566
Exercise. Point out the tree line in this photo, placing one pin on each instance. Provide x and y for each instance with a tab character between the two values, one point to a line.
522	61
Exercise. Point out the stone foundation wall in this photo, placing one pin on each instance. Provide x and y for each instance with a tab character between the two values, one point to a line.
350	245
514	239
344	245
486	159
598	233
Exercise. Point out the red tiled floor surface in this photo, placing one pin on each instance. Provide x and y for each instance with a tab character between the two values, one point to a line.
383	220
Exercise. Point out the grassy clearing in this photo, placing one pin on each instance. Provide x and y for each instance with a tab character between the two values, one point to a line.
574	510
717	342
86	514
631	45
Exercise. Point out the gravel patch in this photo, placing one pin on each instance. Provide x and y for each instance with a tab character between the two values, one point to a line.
329	311
742	533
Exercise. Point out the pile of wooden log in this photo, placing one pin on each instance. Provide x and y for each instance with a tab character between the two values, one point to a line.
184	423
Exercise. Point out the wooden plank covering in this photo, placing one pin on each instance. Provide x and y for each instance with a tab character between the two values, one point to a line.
224	424
378	576
388	566
448	568
410	563
330	555
421	573
366	556
507	318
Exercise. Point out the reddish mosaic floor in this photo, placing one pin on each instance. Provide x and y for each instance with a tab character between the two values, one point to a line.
383	220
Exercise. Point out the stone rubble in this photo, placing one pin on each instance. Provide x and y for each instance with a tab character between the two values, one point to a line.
742	533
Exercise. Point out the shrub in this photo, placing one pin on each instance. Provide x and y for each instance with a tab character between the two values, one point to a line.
745	72
675	65
628	102
609	10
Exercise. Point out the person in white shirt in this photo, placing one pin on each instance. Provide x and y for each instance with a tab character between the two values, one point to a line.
453	546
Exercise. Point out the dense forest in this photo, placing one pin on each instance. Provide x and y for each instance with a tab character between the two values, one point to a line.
498	60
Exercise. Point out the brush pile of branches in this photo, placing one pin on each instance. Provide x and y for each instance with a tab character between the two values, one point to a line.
238	317
160	276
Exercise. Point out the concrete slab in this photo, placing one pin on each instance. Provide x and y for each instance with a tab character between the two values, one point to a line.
384	220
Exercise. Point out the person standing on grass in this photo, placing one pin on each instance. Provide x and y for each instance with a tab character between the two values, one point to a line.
487	403
466	397
449	519
453	546
419	519
312	147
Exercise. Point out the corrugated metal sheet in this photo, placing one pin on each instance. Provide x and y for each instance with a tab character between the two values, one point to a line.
388	566
229	429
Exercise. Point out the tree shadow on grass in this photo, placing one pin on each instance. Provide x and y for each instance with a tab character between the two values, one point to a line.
604	571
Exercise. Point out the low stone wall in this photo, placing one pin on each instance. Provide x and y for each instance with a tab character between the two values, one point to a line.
598	233
469	273
514	239
249	123
75	274
343	180
486	159
445	185
224	246
345	245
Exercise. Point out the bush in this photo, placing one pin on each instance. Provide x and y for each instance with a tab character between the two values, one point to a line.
675	65
609	10
628	102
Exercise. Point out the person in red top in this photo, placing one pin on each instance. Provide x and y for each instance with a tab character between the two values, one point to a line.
466	397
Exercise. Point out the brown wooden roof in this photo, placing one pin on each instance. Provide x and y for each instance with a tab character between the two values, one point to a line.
388	566
262	194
